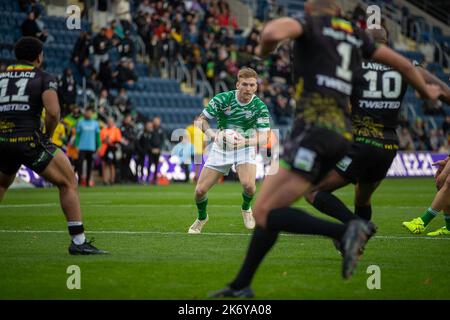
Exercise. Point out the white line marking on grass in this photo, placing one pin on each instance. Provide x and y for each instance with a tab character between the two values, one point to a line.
206	234
52	204
102	204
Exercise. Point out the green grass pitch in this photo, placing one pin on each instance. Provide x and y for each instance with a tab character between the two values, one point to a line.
153	257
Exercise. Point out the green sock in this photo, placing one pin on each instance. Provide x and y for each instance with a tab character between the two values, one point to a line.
429	215
201	206
247	199
447	220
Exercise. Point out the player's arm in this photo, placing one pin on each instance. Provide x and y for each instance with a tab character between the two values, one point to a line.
211	111
389	57
275	32
202	123
432	79
98	139
52	111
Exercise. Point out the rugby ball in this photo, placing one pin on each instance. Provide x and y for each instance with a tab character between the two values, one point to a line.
226	139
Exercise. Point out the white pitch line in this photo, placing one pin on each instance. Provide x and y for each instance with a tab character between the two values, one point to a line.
49	204
102	204
205	233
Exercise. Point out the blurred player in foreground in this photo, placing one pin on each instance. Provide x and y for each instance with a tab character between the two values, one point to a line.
327	51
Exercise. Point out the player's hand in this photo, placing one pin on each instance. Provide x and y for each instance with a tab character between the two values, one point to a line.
241	142
433	91
440	164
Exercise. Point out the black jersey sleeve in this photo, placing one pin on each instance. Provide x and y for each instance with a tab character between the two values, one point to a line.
49	82
369	46
304	21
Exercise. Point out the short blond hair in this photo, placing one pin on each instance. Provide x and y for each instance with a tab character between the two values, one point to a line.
246	73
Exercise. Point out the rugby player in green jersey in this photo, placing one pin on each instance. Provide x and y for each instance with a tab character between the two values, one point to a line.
240	110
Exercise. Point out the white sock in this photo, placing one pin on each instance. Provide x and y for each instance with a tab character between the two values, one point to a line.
79	239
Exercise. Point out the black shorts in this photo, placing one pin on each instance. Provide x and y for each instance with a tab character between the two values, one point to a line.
110	156
314	152
365	163
33	151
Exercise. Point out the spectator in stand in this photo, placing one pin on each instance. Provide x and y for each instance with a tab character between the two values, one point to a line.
67	91
71	121
93	83
114	33
107	76
158	140
144	150
59	137
30	28
420	135
446	125
146	8
129	137
283	109
126	46
444	148
111	137
435	138
126	76
197	139
87	141
224	18
359	16
105	108
122	102
85	68
122	12
101	47
184	150
82	49
406	142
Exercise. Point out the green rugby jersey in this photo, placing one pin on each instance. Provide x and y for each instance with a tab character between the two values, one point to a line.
231	114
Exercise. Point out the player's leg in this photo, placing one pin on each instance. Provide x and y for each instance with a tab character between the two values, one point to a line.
106	177
273	215
322	199
80	165
440	202
208	178
5	181
60	173
363	196
113	171
445	230
247	177
89	159
155	161
9	165
308	157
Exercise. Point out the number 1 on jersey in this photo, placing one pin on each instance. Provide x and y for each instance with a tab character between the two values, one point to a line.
345	50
